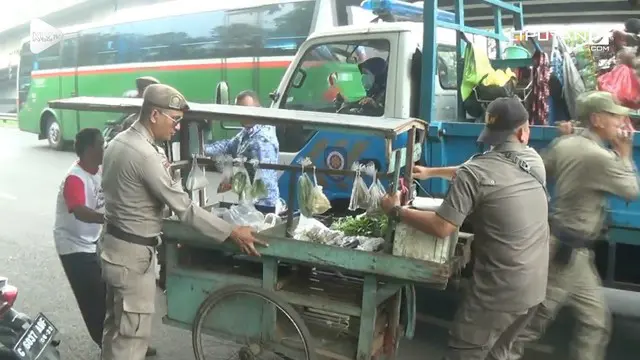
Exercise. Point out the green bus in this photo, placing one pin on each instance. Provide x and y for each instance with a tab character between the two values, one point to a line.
187	44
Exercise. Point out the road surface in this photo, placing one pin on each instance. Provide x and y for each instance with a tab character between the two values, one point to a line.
30	175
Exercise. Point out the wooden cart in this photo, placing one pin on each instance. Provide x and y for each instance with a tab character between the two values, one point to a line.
339	303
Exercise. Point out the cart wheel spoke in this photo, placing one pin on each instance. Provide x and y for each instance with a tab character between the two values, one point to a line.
249	323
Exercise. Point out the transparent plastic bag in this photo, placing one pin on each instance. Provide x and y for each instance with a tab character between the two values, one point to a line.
246	215
311	199
304	190
240	183
226	165
360	198
376	191
258	187
197	179
319	202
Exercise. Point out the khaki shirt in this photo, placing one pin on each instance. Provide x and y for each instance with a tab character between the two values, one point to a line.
137	185
508	210
585	173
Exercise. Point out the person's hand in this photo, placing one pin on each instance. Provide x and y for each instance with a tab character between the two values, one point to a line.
244	238
623	143
565	127
421	172
366	100
388	202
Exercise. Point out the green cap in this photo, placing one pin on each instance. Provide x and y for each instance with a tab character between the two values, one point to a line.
165	97
598	102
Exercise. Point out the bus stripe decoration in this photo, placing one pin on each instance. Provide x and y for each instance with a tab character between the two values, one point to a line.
237	63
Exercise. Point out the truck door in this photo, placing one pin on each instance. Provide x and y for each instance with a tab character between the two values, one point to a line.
69	119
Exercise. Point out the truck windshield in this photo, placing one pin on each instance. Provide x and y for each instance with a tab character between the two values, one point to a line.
346	77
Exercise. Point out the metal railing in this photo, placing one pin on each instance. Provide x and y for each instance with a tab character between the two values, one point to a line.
8	116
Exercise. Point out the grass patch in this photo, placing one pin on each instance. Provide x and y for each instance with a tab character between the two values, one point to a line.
8	123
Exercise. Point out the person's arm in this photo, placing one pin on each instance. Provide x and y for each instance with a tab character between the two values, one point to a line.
616	175
222	147
75	199
159	182
457	205
423	172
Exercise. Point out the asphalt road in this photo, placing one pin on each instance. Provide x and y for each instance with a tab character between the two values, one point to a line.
30	175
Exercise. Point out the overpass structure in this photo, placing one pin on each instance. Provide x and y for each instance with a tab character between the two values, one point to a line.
83	11
543	12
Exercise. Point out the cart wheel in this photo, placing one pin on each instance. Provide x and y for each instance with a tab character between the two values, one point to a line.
228	326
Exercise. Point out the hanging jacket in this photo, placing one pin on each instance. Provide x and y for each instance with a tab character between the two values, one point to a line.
541	74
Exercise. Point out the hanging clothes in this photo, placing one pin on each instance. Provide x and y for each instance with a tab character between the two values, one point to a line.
572	83
540	94
557	65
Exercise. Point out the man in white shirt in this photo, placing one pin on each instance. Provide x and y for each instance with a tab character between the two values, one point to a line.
79	219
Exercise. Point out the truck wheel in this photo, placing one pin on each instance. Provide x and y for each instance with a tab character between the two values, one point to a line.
53	133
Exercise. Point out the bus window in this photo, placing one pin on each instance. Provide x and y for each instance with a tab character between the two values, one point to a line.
24	74
355	70
47	59
285	27
180	37
98	47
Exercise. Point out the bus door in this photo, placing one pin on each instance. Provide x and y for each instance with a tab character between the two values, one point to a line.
70	119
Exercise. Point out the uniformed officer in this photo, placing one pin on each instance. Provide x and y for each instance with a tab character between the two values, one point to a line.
585	173
137	185
511	245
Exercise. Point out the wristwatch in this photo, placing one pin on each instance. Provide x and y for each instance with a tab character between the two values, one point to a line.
394	214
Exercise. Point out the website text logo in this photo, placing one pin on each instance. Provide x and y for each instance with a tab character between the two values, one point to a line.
42	36
595	41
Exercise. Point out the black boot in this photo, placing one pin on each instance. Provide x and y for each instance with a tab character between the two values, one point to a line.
151	352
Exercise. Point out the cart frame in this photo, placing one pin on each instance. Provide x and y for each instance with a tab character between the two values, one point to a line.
386	279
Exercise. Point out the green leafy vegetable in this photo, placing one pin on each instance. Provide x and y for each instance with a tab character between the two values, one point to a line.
370	226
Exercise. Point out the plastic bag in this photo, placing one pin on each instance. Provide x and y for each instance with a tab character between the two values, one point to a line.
258	187
319	202
240	183
311	199
305	187
226	164
360	193
376	191
623	83
197	179
312	230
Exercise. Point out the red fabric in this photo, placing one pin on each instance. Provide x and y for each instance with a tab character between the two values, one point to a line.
623	83
73	192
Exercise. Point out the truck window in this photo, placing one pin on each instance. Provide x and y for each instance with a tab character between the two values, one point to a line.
447	68
356	70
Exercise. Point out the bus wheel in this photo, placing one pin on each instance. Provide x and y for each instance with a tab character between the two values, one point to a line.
54	134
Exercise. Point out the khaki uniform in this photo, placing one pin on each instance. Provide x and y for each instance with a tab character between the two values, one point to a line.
585	172
137	185
511	249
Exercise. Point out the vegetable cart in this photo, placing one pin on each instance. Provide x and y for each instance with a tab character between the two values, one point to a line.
300	299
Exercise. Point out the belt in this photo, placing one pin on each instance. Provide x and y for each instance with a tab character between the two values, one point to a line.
131	238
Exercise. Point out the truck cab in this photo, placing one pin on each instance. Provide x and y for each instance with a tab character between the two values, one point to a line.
334	71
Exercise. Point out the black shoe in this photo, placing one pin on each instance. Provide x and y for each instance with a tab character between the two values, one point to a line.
151	352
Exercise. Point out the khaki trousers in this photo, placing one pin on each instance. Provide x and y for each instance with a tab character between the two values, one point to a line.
579	286
129	272
478	333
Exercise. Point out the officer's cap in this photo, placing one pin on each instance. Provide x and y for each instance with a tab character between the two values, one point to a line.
502	118
594	102
164	97
145	81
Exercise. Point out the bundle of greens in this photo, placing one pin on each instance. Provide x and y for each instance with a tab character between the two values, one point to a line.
362	225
